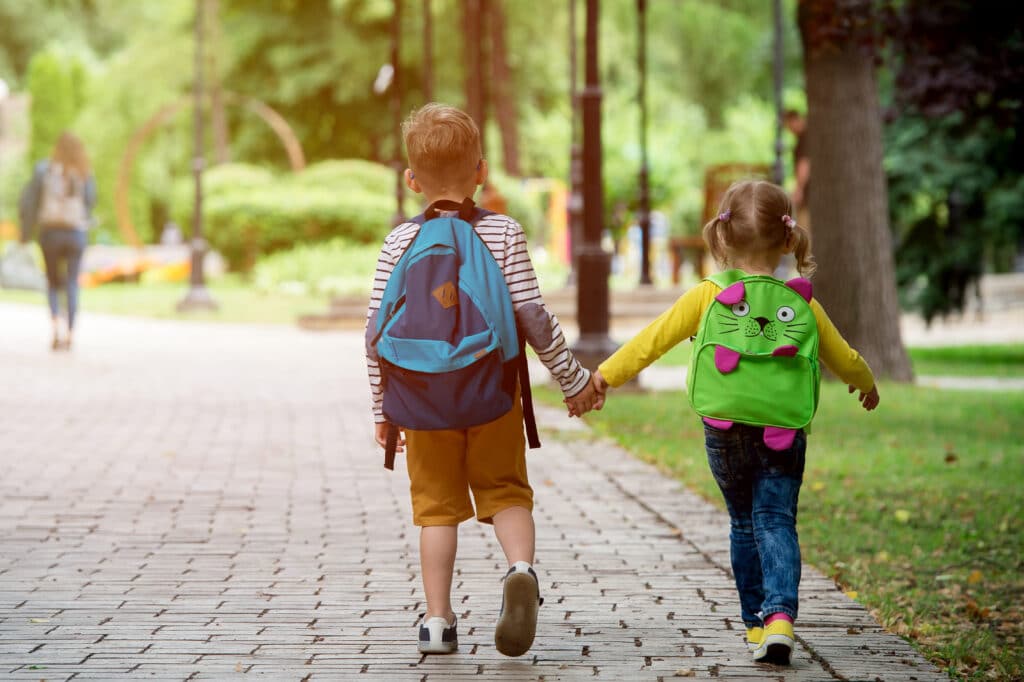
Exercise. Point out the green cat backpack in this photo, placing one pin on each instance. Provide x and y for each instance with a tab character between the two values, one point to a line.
755	357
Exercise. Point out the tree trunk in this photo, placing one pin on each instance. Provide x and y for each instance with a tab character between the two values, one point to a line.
848	203
473	58
504	99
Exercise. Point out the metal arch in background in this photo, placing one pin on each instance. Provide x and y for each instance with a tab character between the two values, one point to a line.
276	122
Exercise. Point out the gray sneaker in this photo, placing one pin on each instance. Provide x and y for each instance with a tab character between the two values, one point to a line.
438	637
517	623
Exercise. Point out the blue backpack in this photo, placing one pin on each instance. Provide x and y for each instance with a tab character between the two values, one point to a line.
446	336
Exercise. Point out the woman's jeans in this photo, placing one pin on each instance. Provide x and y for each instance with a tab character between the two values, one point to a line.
62	251
761	488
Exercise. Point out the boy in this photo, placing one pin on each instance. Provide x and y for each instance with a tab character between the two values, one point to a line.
446	166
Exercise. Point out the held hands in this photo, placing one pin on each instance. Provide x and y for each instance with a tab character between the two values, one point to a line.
869	400
590	398
380	434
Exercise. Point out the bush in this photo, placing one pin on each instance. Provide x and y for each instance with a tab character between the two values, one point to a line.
329	268
249	211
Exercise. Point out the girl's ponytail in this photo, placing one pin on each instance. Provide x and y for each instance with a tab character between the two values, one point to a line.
802	251
717	234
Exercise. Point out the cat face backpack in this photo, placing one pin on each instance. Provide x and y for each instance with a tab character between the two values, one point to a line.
755	357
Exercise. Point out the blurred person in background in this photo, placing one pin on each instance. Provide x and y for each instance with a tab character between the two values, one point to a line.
56	207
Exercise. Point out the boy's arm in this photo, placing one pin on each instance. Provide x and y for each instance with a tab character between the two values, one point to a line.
669	329
837	355
385	264
541	328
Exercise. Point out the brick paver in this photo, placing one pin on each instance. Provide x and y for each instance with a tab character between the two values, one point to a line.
189	501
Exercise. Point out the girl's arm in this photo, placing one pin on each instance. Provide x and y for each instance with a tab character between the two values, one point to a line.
837	354
671	327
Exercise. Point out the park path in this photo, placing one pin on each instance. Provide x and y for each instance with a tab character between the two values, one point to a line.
188	501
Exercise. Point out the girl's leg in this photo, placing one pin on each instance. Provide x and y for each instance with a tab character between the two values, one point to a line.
728	461
76	248
776	493
51	257
438	545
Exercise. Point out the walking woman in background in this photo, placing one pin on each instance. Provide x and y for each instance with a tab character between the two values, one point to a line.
56	205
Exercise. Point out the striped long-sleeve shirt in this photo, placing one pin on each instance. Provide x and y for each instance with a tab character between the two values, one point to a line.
506	240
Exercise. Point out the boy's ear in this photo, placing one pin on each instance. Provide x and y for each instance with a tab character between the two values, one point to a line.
481	172
411	182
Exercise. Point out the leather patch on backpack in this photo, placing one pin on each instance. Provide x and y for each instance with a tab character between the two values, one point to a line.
446	295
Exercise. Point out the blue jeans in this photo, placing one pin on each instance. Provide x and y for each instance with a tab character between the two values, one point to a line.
761	488
62	251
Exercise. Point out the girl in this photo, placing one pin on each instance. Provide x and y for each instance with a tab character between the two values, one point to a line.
758	463
57	203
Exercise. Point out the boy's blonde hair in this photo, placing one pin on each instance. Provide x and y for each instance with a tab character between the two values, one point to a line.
443	144
754	216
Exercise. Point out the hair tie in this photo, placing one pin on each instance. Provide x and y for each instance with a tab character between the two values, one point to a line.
788	222
725	215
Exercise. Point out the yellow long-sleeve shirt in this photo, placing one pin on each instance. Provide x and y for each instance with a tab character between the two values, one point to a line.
681	321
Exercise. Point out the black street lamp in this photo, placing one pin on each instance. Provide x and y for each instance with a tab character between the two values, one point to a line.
198	296
777	65
575	156
594	345
645	190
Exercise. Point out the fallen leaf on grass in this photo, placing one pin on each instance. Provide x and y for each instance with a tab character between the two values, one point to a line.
852	594
818	486
684	672
951	458
902	515
975	577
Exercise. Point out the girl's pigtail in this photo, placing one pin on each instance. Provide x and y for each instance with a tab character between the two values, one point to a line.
802	251
715	239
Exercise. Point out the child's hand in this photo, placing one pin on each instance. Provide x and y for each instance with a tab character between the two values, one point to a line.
380	434
583	402
869	400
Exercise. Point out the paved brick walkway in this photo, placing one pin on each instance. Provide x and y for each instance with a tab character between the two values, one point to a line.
187	501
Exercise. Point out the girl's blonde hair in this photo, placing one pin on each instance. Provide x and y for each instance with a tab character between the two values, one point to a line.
69	152
755	216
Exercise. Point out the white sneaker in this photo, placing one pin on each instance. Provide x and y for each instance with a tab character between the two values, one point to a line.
517	623
438	637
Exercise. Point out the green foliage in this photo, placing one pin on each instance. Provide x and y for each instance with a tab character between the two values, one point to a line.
57	86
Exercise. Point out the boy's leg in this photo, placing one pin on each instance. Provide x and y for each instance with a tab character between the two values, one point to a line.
514	528
728	460
438	545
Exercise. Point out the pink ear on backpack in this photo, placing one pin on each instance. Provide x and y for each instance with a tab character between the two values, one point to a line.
801	286
733	295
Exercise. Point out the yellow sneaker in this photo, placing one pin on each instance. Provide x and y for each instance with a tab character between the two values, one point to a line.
777	642
754	636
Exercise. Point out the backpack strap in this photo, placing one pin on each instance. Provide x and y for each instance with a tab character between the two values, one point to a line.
526	393
726	278
390	447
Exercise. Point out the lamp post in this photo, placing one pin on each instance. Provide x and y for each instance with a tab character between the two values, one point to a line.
593	345
198	296
645	190
575	157
777	59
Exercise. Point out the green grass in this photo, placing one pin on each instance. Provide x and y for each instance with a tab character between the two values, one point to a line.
916	507
238	301
979	361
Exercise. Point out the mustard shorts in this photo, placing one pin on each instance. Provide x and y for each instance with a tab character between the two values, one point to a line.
489	460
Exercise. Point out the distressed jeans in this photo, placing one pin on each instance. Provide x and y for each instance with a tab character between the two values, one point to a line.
761	489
